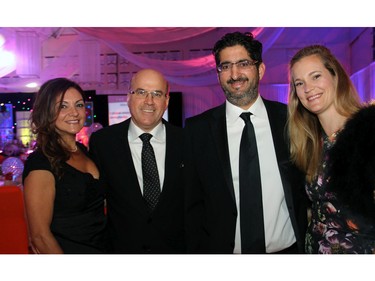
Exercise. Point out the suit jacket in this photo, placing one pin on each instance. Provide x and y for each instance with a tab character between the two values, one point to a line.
131	228
211	211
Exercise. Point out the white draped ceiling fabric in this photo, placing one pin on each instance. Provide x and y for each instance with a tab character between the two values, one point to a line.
196	73
193	72
200	72
7	58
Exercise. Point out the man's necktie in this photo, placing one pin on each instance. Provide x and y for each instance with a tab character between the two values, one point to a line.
151	181
251	206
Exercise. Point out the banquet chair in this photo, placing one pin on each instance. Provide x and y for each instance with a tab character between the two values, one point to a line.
13	231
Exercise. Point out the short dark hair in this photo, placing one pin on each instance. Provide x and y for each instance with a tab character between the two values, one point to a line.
253	47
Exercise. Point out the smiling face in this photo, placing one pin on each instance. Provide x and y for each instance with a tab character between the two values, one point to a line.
240	85
72	115
147	111
315	85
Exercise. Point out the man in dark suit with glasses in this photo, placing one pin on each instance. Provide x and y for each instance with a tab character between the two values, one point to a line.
140	159
243	195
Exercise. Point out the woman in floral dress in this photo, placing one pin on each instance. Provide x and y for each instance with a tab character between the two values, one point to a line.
332	141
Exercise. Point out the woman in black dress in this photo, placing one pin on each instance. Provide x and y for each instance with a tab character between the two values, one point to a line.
64	197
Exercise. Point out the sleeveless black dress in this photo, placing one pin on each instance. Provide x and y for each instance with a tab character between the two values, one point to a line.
78	222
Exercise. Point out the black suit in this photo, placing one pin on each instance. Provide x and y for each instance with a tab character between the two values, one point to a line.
131	228
211	211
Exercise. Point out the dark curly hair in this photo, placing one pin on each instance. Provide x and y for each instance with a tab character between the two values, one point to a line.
253	47
43	117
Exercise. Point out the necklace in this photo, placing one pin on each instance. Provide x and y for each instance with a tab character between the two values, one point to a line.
334	135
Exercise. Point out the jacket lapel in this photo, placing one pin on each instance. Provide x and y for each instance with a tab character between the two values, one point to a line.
173	163
277	120
218	125
128	170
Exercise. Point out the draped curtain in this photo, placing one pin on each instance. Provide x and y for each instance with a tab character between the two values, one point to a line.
200	72
7	57
196	77
364	81
194	72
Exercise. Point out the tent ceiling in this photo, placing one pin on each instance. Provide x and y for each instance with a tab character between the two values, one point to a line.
189	48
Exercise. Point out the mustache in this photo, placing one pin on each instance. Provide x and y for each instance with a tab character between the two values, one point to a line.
240	79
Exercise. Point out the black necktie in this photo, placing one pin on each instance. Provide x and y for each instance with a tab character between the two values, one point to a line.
251	206
151	181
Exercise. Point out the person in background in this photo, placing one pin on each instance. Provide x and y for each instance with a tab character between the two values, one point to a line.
137	223
11	149
332	141
64	197
212	157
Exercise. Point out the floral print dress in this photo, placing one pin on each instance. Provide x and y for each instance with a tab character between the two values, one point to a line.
335	229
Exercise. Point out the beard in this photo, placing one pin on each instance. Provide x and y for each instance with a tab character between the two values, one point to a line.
241	98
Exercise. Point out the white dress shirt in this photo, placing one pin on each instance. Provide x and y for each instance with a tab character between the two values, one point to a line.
279	232
158	142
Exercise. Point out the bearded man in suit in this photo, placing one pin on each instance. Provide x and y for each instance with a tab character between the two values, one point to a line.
212	156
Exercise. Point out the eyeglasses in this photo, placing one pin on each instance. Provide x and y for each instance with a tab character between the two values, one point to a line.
142	94
241	65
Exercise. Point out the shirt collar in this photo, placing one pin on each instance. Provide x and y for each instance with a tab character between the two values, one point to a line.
135	131
233	112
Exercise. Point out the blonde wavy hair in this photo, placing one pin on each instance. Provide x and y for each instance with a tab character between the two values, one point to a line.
304	128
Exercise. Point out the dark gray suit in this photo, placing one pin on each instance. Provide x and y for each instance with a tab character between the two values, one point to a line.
211	211
131	228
